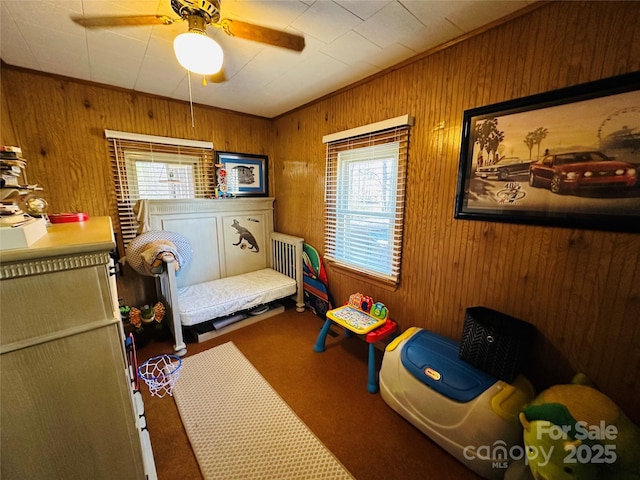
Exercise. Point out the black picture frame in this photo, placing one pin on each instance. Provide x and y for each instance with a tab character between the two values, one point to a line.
242	174
541	164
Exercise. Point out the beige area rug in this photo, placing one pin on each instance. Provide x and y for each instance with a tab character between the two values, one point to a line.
240	428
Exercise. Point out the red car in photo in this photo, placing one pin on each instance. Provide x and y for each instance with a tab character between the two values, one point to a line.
571	171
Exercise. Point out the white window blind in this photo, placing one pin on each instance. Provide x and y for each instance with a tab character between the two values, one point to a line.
149	167
364	199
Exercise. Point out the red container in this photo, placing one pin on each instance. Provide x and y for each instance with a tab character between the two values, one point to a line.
68	217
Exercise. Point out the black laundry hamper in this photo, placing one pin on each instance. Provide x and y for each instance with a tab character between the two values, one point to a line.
495	342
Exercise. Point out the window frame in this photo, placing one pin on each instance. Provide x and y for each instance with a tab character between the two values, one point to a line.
362	143
125	146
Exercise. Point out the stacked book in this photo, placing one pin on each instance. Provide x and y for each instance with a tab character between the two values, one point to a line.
12	166
10	212
18	229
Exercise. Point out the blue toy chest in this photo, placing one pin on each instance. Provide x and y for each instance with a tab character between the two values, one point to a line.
466	411
434	361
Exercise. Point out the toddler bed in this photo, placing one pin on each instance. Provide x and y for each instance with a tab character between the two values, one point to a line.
220	298
238	265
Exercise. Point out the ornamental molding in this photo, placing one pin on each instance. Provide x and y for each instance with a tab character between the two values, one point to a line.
50	265
159	207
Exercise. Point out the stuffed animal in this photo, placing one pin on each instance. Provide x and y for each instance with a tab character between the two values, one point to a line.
576	432
154	251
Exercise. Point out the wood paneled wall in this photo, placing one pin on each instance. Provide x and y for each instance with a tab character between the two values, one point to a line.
580	288
59	124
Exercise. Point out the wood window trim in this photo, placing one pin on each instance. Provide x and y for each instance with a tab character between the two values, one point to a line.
359	275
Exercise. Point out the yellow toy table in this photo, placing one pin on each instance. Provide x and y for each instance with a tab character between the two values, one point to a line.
361	323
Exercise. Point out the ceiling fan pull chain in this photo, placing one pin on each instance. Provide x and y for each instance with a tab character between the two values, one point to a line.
193	123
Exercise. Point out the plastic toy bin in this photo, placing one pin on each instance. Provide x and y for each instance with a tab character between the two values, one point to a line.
464	410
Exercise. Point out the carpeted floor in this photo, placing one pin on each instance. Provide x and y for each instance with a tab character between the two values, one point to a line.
327	391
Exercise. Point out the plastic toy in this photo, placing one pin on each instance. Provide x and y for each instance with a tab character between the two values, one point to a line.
378	310
466	411
355	317
317	297
366	303
576	432
358	315
355	300
222	187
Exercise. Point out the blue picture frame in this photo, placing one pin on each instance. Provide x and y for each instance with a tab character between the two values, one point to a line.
242	174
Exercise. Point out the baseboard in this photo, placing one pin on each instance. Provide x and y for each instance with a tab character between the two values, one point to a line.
275	309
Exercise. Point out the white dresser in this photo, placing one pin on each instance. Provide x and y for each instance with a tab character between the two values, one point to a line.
68	408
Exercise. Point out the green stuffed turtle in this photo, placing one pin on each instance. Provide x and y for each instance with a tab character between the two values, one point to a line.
576	432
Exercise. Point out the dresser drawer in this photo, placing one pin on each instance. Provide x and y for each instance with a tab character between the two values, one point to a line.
66	411
40	305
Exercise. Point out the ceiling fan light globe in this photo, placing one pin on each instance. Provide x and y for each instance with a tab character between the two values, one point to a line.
198	53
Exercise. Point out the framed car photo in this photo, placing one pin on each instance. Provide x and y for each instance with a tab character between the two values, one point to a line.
569	157
242	174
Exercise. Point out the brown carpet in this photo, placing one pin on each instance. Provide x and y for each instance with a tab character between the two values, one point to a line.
327	391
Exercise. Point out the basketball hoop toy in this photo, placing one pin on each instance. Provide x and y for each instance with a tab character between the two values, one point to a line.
160	374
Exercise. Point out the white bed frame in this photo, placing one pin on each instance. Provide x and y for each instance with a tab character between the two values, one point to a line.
209	227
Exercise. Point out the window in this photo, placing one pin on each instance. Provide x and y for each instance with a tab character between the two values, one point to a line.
159	176
149	167
364	197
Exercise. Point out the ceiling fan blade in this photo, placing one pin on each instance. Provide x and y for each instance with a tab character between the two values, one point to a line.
257	33
123	21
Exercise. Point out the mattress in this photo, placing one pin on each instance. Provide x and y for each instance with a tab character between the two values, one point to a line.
224	296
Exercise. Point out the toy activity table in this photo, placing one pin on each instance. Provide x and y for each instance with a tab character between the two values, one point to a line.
359	322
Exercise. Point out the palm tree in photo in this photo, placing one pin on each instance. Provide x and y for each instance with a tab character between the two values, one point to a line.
538	135
529	142
488	138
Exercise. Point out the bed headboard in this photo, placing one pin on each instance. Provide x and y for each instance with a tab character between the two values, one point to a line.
228	236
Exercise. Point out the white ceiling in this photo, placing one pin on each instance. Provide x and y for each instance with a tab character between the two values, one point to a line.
346	41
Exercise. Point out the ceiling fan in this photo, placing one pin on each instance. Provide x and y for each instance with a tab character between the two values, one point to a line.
195	50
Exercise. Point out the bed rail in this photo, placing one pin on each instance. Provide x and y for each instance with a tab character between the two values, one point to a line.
286	258
167	290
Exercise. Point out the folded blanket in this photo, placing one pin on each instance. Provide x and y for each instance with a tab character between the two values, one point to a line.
153	253
141	212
